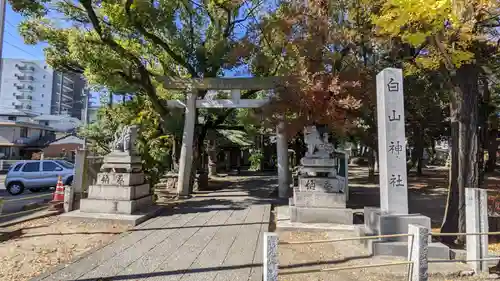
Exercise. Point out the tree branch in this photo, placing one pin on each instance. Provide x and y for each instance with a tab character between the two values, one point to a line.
146	83
158	41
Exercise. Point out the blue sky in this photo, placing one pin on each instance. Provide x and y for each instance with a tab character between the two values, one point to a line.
13	45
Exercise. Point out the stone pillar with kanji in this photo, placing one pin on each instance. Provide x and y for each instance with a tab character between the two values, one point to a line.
391	142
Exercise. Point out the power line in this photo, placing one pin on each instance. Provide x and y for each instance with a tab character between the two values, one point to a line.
20	49
10	23
17	47
8	32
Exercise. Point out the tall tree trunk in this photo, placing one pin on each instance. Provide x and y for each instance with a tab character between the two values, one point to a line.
419	151
490	126
450	221
484	112
466	113
420	163
298	148
468	141
492	145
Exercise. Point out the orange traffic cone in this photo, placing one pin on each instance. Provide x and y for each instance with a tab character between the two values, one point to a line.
58	199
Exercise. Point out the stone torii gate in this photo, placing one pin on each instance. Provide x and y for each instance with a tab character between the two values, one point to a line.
234	86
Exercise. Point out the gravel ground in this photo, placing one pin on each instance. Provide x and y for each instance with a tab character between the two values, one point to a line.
333	255
49	241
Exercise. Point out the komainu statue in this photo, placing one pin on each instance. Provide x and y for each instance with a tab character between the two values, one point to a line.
317	144
124	140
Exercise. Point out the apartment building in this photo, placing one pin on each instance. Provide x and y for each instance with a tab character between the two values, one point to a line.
67	95
26	85
33	87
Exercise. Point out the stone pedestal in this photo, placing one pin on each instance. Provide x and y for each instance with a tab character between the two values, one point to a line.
120	193
379	223
320	196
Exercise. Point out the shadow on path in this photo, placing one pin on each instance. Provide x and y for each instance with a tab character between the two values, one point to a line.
222	268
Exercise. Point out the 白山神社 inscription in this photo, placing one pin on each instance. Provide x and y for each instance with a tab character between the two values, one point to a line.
392	142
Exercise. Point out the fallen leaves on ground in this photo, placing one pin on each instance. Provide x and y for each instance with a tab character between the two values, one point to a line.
47	242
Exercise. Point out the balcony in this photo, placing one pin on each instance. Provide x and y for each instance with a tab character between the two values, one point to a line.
67	97
24	88
24	97
27	78
25	68
66	87
23	107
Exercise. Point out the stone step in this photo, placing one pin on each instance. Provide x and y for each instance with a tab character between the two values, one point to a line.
321	215
313	199
108	206
118	192
436	250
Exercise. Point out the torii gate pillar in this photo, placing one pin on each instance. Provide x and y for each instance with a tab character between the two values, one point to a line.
186	157
282	151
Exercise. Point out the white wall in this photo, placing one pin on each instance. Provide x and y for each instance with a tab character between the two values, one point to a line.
42	84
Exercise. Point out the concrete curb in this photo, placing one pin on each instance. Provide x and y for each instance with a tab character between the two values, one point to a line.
33	216
6	234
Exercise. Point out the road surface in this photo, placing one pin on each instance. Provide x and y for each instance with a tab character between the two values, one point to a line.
18	205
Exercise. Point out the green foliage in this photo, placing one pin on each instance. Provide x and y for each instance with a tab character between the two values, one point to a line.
154	146
256	158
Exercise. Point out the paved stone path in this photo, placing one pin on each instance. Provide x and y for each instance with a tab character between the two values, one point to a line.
216	236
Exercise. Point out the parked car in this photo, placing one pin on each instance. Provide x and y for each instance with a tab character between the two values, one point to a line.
37	175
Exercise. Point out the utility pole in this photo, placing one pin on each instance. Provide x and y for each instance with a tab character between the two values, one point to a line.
3	4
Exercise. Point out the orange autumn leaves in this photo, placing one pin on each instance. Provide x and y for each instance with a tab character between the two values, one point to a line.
324	89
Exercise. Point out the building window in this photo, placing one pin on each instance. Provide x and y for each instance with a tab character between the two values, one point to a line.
43	86
24	132
43	95
45	76
41	105
45	67
12	118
